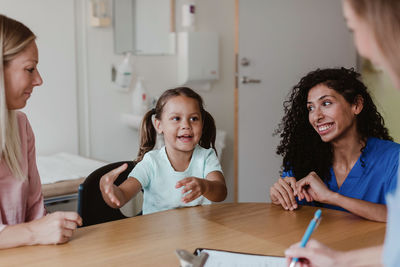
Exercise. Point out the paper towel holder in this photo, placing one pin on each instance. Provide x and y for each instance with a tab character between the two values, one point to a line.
198	59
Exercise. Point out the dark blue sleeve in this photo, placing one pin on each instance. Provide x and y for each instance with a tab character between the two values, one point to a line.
286	173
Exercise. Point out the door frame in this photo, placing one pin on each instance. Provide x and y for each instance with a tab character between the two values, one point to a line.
236	108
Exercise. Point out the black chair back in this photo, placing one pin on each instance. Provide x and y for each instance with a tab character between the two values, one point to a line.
91	205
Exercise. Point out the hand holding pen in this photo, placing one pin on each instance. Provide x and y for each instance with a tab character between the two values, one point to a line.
311	227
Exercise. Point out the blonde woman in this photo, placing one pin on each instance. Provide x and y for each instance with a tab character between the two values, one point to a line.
22	212
376	28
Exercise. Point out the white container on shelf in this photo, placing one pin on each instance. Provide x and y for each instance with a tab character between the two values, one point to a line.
140	99
124	72
188	16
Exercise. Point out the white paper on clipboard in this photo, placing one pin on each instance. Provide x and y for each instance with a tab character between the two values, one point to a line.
220	258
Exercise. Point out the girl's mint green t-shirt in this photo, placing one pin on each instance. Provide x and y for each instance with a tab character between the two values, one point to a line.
158	178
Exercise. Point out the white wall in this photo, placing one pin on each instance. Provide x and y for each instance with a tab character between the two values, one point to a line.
52	108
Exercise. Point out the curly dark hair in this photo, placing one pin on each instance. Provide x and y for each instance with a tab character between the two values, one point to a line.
302	149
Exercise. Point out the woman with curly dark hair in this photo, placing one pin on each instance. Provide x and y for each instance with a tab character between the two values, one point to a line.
376	30
336	150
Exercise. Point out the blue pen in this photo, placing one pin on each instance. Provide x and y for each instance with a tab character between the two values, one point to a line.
307	234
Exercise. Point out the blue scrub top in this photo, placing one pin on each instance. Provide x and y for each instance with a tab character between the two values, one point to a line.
371	178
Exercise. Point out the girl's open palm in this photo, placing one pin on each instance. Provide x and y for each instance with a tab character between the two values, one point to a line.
107	186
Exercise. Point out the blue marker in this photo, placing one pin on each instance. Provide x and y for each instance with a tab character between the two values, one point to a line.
307	234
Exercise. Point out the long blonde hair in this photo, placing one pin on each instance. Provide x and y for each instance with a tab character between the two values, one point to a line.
383	17
14	38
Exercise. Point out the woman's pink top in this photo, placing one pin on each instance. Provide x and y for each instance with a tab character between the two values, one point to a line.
21	201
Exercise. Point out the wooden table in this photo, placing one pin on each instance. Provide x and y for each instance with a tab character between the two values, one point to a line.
151	240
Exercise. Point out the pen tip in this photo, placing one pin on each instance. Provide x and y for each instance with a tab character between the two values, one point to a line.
318	213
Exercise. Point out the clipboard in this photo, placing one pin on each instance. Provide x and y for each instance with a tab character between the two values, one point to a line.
222	258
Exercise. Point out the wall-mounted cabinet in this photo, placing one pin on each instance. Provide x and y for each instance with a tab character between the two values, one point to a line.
198	58
144	27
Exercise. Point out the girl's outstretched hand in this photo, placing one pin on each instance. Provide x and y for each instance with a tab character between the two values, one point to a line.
54	228
196	186
283	193
108	188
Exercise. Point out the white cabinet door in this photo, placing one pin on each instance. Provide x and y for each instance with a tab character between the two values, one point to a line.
282	41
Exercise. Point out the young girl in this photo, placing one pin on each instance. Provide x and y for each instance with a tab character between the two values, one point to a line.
187	160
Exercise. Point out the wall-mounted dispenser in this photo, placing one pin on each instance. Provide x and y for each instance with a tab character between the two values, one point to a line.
140	98
188	17
198	59
122	74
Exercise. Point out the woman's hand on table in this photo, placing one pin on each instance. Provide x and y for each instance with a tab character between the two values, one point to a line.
283	193
54	228
312	188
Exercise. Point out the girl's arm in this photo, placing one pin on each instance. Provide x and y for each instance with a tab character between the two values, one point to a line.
213	187
312	188
55	228
117	196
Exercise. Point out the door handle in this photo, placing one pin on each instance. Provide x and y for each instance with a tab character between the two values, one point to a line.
246	79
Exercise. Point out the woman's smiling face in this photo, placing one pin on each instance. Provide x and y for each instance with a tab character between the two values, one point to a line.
330	114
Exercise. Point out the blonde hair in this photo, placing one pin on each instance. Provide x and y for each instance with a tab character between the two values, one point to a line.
383	17
14	38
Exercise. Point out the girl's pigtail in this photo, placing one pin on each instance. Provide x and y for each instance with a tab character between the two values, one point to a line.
207	140
148	135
